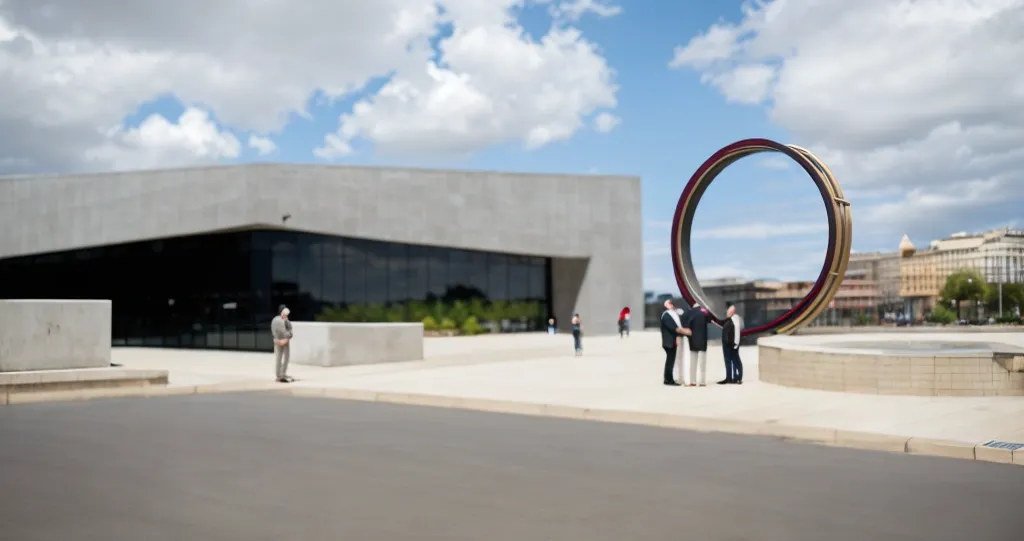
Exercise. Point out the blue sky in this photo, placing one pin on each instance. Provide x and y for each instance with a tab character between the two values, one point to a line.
890	102
670	124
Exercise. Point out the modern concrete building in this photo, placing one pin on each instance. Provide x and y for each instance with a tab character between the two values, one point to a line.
203	257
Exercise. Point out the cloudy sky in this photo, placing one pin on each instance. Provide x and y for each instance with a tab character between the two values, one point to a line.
918	105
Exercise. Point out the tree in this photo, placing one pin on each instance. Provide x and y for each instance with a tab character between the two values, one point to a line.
1013	296
962	285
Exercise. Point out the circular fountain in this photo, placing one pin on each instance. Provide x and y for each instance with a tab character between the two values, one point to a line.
919	364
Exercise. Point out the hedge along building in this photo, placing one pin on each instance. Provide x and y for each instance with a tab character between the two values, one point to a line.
202	257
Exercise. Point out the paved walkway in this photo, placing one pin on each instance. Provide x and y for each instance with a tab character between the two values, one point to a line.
615	374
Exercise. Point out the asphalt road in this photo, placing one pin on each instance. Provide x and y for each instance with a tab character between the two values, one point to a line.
259	467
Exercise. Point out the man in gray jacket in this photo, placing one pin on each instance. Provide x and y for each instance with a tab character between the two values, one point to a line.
281	329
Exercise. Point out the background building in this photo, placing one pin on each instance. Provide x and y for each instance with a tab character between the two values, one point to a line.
998	255
882	268
203	257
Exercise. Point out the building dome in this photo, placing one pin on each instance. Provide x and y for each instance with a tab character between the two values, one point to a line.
906	247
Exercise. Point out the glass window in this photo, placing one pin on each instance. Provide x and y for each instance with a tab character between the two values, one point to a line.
497	279
458	276
284	272
355	271
308	271
518	278
376	272
222	290
476	270
333	273
438	273
538	281
398	273
419	272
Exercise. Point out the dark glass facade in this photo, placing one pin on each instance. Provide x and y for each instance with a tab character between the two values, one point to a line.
220	291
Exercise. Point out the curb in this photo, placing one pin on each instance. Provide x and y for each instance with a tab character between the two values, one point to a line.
868	441
148	391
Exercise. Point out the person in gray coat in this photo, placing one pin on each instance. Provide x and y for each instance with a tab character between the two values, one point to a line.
281	329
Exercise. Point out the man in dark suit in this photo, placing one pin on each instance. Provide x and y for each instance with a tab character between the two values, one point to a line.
697	323
731	347
671	329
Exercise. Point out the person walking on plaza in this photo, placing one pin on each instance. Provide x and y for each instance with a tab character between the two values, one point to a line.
624	322
577	334
671	329
731	347
697	323
281	329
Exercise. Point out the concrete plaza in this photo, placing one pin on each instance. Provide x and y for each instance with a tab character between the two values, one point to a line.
622	379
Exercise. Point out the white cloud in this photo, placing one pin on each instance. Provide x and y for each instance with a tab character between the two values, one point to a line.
919	101
775	162
576	9
156	142
657	248
606	122
761	230
69	71
262	144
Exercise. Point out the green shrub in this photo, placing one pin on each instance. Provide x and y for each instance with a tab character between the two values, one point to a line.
429	323
458	313
418	311
471	326
397	313
942	315
448	324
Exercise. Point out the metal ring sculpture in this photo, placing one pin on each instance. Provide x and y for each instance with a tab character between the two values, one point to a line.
840	227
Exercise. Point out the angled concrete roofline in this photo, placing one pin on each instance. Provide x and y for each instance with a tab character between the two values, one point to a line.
256	165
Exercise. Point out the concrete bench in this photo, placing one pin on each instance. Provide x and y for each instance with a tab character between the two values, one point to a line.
344	344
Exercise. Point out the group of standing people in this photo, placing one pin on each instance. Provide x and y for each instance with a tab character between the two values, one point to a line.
678	325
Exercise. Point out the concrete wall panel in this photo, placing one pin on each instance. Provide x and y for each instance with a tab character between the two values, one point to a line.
344	344
54	334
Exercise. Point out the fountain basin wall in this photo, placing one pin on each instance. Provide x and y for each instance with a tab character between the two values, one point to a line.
982	365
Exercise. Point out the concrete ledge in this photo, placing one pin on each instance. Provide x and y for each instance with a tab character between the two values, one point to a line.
944	448
345	344
35	381
54	334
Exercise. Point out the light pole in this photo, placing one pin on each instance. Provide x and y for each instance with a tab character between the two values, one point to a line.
969	282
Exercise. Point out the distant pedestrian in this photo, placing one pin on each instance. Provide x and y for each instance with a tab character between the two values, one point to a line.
577	334
731	347
697	323
551	326
281	329
624	322
671	329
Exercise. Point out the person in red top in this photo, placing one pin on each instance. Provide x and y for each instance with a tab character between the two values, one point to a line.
624	322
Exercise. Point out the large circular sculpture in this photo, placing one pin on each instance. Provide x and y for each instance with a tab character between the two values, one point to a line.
840	228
